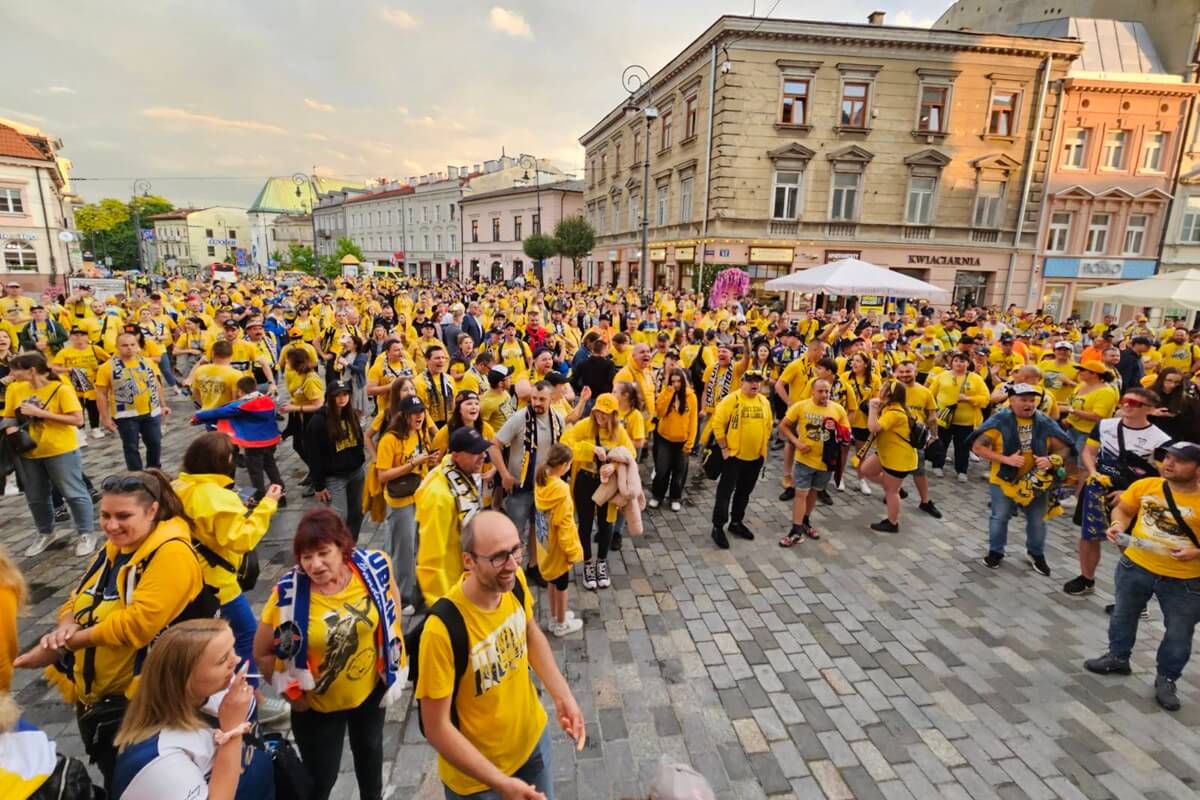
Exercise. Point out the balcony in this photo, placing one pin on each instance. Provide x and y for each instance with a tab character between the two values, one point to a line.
841	230
917	232
985	237
784	228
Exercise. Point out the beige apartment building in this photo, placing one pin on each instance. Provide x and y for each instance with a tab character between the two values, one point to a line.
782	144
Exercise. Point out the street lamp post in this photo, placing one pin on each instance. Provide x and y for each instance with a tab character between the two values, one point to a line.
144	186
634	78
537	183
300	179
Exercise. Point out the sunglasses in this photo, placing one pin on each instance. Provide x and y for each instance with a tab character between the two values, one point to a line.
1130	402
124	484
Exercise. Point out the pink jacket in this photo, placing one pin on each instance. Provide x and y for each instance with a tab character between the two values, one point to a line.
621	485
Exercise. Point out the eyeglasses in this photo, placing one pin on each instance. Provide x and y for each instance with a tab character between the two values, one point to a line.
500	559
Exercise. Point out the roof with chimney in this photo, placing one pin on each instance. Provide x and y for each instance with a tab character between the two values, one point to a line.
15	144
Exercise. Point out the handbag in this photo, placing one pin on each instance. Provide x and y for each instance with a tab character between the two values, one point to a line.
945	417
292	781
714	459
22	441
404	486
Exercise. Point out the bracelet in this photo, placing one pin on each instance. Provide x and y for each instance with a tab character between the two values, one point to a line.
221	737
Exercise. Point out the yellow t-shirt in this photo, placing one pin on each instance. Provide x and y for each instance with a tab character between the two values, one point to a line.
810	423
497	685
441	439
1053	374
496	408
215	384
920	402
1179	356
891	443
1102	401
635	424
393	451
796	376
341	645
946	387
53	438
1156	522
81	366
744	423
304	390
136	380
1025	434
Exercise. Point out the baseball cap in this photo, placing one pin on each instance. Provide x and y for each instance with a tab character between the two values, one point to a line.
76	330
337	387
13	283
229	323
1092	365
606	402
468	440
679	782
1019	389
1185	450
1006	338
1063	346
555	378
411	403
752	375
1143	340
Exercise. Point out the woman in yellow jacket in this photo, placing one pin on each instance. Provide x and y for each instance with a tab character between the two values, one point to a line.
894	458
590	440
557	537
961	396
677	413
225	533
13	593
106	626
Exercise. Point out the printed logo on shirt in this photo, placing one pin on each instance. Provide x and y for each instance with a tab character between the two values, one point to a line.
342	653
500	653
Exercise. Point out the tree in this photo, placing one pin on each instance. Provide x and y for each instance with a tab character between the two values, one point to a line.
300	257
575	238
331	266
539	247
108	226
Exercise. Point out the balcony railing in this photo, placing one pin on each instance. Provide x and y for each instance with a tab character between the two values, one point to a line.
841	230
784	228
985	237
918	232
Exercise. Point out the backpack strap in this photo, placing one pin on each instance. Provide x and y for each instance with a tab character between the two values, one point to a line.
1179	520
456	627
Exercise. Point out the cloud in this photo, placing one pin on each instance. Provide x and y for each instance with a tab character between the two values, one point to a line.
509	22
421	122
904	18
209	120
60	90
317	105
317	137
12	112
398	17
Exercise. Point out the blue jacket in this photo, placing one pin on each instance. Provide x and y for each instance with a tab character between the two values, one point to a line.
1005	422
249	420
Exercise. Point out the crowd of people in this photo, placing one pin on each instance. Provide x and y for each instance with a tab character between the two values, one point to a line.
509	438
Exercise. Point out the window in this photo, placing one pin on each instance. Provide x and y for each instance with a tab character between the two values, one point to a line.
517	229
616	217
794	107
989	203
425	214
425	241
1097	234
1189	231
474	230
666	130
496	229
10	201
1152	151
452	212
601	218
932	118
660	205
919	209
637	147
212	251
854	104
1002	119
633	212
437	212
233	235
537	223
617	158
845	196
437	241
1114	149
785	194
1060	232
1135	234
604	166
685	199
453	240
410	215
689	117
21	255
1075	149
208	234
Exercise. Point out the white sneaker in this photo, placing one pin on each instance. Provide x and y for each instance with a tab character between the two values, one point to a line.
569	615
1069	501
272	709
86	545
865	488
962	477
11	489
676	505
567	627
98	433
81	437
39	544
974	457
653	502
841	485
938	471
408	610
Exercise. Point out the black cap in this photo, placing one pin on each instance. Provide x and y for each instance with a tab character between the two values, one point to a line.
411	403
1185	450
231	324
468	440
76	330
1006	338
337	387
555	378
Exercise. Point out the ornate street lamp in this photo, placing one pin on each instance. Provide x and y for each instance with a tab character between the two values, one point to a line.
300	179
141	185
529	162
634	78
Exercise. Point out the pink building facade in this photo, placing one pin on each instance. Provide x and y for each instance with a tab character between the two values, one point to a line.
495	224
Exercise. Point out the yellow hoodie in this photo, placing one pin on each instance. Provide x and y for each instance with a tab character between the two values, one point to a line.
125	624
221	523
558	545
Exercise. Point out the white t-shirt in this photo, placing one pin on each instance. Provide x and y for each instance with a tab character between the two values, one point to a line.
179	770
1139	441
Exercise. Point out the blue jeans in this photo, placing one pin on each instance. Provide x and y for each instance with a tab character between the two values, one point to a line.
150	430
241	619
345	495
537	772
40	476
168	372
1003	509
1179	600
402	547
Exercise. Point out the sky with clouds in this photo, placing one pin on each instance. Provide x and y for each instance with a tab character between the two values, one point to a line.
207	99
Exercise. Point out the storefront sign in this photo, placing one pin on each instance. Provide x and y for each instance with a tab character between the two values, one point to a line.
771	255
221	242
658	254
1120	268
841	255
945	261
685	254
24	237
724	254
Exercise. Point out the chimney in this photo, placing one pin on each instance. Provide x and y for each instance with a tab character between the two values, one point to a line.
463	171
452	172
477	168
875	17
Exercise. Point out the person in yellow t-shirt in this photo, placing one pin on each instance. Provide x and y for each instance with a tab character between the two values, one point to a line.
215	384
1059	372
78	362
1094	399
1161	559
1003	357
895	458
491	722
131	399
961	394
809	426
922	408
1179	353
556	535
741	425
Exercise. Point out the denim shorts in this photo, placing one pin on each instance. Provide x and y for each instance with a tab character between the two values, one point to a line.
805	477
919	472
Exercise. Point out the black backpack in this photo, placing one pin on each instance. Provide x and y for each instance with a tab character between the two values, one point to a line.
445	610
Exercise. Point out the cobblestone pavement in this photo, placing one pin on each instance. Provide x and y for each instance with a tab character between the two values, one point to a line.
859	666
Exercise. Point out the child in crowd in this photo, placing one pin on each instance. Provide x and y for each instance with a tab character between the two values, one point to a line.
250	421
558	546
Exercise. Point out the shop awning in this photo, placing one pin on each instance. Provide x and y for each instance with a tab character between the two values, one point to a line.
1177	289
852	276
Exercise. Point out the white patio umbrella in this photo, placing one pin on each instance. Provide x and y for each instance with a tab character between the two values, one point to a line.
1177	289
852	276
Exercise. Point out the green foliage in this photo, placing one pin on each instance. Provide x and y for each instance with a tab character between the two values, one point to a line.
331	265
108	226
300	257
575	238
539	247
707	277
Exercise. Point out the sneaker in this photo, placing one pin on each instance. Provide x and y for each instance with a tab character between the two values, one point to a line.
841	485
81	437
408	610
568	626
272	709
1108	664
930	509
962	477
1038	563
654	502
974	457
811	532
39	544
1069	501
98	433
11	489
903	494
676	506
602	579
1145	612
992	559
1079	586
741	531
718	537
86	545
1164	693
885	526
939	472
824	497
615	544
793	537
589	575
865	487
62	514
787	494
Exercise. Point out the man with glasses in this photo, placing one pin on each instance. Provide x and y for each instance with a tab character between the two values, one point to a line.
489	728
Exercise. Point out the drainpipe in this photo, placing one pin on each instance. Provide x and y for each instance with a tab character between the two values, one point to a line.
708	138
51	244
1030	166
1044	218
